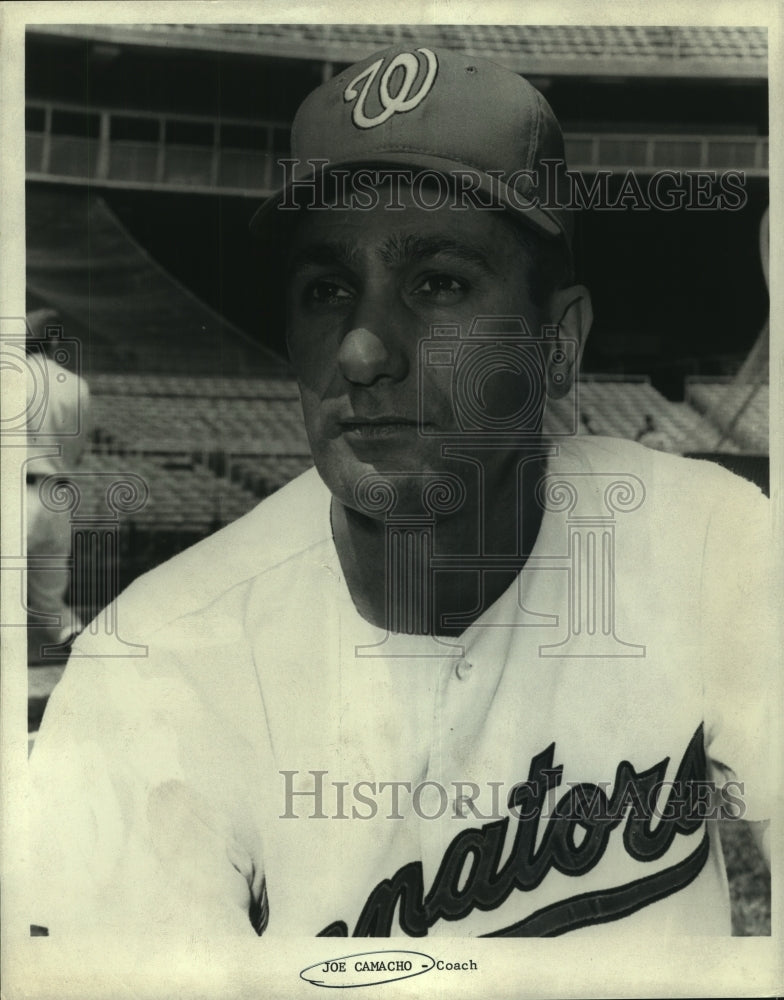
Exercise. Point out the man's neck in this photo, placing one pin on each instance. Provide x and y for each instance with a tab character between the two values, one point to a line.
428	575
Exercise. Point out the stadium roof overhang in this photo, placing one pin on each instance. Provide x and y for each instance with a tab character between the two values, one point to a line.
736	53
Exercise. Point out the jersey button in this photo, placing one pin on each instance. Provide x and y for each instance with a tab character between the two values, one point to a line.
463	669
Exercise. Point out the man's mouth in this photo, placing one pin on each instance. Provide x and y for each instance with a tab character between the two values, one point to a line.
379	427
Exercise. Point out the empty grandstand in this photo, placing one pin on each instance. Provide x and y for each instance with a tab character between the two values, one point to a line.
739	411
211	447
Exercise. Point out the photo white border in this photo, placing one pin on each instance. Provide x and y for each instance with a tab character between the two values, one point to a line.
611	964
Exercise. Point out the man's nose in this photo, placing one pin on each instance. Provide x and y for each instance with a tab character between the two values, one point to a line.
373	349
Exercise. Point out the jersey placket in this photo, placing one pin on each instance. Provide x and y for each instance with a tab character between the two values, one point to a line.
441	814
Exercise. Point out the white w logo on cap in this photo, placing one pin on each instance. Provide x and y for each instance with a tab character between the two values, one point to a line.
403	100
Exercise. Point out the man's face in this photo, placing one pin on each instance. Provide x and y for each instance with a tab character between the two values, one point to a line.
365	289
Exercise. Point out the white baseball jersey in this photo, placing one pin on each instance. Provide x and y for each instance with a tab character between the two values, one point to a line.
277	765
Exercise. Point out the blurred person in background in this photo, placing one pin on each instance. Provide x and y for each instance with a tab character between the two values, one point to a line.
50	428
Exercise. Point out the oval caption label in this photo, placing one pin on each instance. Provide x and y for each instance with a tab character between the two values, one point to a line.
368	968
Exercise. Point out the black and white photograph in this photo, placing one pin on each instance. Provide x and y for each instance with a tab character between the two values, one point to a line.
392	535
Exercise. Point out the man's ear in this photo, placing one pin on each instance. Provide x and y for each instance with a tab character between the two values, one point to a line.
571	311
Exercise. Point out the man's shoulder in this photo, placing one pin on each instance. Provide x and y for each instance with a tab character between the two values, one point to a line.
289	522
666	478
653	491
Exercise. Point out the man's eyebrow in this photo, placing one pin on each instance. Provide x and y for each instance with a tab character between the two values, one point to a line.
396	251
325	252
399	250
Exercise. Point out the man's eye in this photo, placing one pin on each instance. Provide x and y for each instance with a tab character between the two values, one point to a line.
324	292
441	286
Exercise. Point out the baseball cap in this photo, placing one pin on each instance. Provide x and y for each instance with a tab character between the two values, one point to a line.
434	110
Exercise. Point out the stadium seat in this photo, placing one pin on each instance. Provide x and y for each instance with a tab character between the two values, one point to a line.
738	412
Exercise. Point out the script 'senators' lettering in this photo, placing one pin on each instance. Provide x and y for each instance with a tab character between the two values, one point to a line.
488	884
406	888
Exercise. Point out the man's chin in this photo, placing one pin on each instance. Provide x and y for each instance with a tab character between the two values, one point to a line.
385	490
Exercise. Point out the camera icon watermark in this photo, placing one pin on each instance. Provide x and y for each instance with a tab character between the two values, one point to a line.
42	386
502	376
